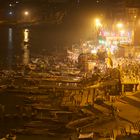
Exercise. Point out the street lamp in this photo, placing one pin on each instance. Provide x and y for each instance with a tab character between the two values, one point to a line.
98	23
120	28
97	27
26	13
26	16
120	25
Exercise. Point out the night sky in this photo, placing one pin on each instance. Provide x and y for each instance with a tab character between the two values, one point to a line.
81	2
89	3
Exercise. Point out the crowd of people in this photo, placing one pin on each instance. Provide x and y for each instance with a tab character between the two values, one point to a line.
129	70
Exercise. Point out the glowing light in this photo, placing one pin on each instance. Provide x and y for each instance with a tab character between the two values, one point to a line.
84	44
10	47
26	55
90	46
119	25
26	35
97	1
122	32
10	4
10	35
10	13
103	42
26	13
106	33
94	51
98	23
115	42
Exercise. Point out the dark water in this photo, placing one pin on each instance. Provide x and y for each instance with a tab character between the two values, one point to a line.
11	46
19	44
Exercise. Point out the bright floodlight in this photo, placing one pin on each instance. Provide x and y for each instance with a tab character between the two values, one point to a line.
10	13
122	31
10	4
26	13
94	51
119	25
98	22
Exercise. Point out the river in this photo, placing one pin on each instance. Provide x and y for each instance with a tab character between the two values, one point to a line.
19	44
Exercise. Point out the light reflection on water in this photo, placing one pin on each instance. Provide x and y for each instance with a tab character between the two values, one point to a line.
10	37
37	41
25	47
10	47
14	47
26	35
